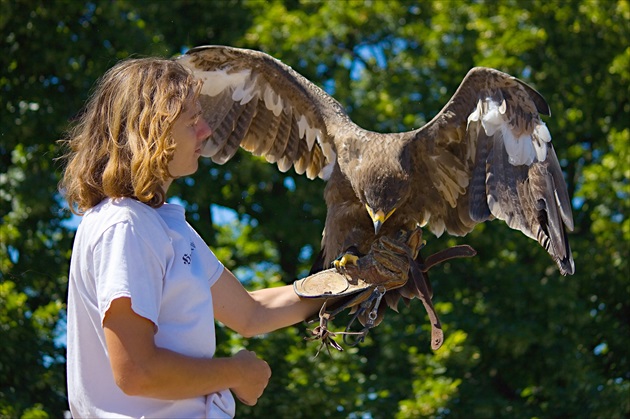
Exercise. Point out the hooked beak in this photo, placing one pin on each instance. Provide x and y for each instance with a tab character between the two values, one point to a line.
378	220
378	217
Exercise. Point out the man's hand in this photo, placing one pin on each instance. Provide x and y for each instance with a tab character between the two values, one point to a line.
254	376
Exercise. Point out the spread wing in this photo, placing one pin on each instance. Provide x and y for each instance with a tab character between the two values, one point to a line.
488	154
254	101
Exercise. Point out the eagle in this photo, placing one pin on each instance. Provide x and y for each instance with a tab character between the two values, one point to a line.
487	154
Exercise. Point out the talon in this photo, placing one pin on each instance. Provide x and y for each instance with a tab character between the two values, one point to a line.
344	260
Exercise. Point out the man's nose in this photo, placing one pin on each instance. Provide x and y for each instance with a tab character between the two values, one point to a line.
203	129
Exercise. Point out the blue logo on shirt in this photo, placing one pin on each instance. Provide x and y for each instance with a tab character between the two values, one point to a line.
187	258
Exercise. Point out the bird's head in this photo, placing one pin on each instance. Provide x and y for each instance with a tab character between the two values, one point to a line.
378	167
383	193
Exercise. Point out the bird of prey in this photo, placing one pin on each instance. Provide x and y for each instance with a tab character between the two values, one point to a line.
487	154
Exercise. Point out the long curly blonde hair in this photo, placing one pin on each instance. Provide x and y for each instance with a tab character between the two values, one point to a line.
121	144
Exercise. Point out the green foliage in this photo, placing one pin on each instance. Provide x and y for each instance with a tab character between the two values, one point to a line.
28	351
521	341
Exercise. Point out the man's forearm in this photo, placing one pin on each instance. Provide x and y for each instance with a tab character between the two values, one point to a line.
280	307
173	376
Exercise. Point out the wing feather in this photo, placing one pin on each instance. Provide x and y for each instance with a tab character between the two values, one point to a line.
291	153
239	126
254	101
281	139
478	209
302	155
504	182
488	154
259	138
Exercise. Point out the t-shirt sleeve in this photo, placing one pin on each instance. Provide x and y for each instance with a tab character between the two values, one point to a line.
127	264
212	266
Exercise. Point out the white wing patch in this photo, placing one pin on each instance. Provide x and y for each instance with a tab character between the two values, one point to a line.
523	149
246	86
273	101
244	92
215	82
541	136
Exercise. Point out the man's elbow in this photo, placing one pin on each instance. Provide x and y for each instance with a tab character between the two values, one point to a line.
250	324
248	331
133	380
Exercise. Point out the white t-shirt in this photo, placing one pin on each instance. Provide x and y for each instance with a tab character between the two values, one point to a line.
124	248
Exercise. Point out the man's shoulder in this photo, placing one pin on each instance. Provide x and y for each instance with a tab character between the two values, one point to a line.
112	211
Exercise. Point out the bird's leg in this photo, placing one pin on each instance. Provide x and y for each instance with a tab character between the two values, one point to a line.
321	332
